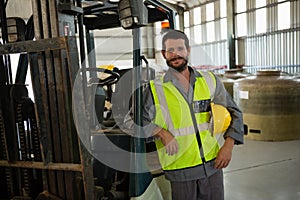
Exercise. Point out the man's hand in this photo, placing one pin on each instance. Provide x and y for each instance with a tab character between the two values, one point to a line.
168	141
225	153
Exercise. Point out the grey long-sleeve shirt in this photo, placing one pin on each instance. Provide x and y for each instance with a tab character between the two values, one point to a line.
221	97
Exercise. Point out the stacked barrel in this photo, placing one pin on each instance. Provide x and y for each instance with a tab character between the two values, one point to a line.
270	102
230	76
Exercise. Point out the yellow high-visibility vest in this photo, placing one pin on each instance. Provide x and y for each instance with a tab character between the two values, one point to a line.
173	113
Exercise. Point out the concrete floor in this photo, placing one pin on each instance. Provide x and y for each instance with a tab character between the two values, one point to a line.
264	171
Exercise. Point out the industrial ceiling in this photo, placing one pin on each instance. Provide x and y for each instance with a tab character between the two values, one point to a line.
186	4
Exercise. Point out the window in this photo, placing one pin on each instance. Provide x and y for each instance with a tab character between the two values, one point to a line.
210	14
223	29
242	25
186	22
177	22
197	34
260	3
261	20
197	15
241	6
187	31
284	19
186	19
210	27
223	8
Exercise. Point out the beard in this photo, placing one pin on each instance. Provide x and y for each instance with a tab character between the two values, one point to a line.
179	68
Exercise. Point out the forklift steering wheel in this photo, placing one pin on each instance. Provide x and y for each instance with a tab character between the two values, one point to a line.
111	79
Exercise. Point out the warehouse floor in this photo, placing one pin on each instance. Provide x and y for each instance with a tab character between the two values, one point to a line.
264	171
258	171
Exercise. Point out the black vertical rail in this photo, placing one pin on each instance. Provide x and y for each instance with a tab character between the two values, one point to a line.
138	181
3	74
4	33
81	33
23	60
87	170
231	33
90	44
82	50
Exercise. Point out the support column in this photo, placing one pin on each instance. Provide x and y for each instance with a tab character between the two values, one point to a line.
231	33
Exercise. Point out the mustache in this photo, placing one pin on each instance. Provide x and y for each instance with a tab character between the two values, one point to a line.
177	58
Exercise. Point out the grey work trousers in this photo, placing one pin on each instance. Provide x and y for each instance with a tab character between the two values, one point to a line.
209	188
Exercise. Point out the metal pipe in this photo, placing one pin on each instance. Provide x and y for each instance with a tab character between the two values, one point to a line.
138	181
297	49
231	32
82	51
81	35
136	142
91	50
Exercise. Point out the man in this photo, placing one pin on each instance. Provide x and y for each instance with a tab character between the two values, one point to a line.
177	111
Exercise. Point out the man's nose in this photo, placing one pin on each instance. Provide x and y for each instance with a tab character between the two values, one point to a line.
176	53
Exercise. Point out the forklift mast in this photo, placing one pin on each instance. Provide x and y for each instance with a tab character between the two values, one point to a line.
41	153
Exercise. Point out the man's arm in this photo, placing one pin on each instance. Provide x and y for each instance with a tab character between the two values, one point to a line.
235	132
167	139
236	128
152	130
224	155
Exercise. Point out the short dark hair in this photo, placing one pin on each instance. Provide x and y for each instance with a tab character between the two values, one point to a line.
175	34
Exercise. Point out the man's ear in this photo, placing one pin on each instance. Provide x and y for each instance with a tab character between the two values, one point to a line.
163	52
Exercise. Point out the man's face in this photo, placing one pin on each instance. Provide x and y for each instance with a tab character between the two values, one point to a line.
176	54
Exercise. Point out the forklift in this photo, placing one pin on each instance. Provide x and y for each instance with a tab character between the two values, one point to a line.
69	141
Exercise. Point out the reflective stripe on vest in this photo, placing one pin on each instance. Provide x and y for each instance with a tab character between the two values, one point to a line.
173	114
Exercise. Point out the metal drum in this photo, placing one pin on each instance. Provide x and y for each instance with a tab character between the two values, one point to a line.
271	105
236	73
229	77
228	84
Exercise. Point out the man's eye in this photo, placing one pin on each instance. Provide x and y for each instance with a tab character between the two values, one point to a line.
180	48
171	50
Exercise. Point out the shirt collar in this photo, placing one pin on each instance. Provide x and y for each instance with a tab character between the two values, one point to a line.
170	77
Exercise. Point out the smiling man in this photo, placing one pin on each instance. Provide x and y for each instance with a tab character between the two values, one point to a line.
176	54
177	111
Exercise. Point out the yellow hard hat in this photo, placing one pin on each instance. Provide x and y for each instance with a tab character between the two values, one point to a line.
109	67
103	75
221	118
